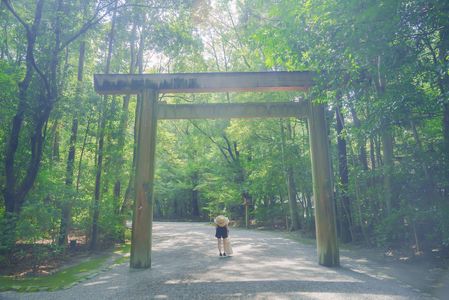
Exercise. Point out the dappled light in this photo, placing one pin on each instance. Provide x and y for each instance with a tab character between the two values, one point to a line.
316	130
264	265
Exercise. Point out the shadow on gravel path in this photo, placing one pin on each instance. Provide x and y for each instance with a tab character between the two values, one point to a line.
265	265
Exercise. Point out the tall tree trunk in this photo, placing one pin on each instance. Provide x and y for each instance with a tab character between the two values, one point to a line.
101	135
291	185
372	153
194	203
361	142
83	147
56	142
443	56
379	160
117	192
130	187
96	200
420	154
446	135
387	147
310	218
15	191
293	205
67	204
443	53
124	124
10	194
358	218
387	141
345	219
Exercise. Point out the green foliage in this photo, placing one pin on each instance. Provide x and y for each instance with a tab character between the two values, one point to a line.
383	64
270	213
392	229
37	222
111	225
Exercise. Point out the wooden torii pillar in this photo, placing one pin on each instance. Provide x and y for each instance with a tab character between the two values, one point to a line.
150	85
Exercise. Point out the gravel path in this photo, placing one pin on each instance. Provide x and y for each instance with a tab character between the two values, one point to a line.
265	265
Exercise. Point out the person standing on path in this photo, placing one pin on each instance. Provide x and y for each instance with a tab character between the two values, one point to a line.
221	232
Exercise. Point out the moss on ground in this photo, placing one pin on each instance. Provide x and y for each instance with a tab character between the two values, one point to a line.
123	251
67	277
58	280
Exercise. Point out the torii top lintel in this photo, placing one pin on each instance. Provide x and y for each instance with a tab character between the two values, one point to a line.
204	82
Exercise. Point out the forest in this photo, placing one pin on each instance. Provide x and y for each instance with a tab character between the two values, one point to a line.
68	154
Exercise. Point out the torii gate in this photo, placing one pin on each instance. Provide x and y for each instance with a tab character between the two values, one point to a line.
150	85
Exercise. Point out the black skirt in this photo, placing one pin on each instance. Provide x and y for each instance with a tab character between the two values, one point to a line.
221	232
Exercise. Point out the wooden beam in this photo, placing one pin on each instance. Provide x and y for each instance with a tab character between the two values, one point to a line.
144	181
325	222
203	82
233	110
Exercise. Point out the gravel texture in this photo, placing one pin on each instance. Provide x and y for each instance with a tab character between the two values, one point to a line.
265	265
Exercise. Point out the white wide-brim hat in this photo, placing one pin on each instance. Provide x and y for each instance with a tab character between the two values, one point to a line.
221	221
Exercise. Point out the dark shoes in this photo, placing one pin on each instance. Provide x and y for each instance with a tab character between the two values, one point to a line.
221	254
224	254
